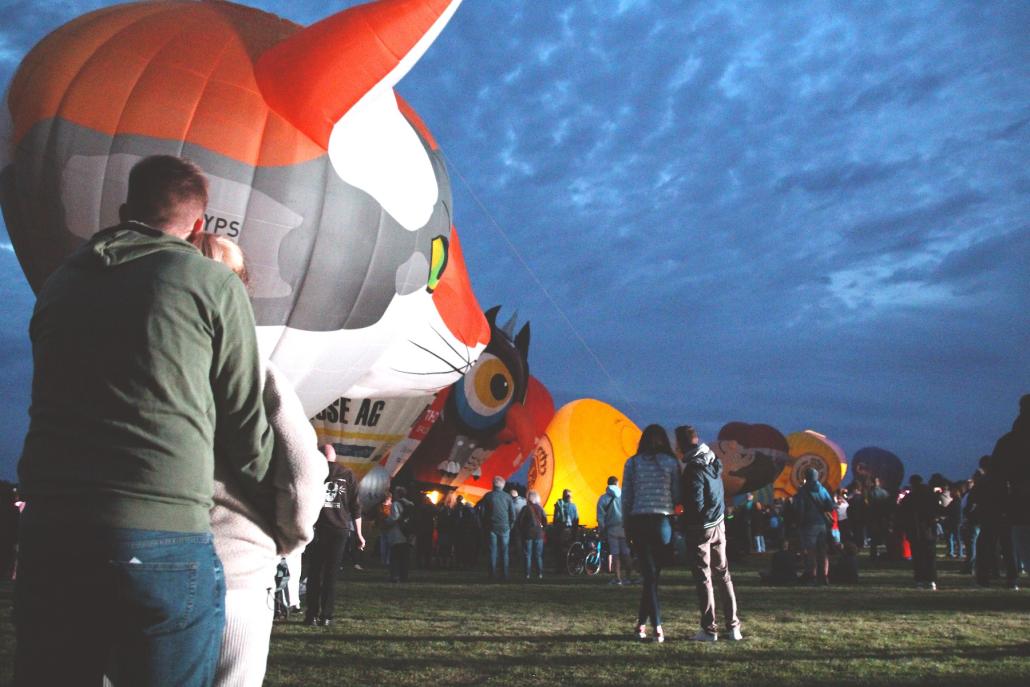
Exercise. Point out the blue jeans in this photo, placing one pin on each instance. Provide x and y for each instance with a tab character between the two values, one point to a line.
650	535
147	607
498	543
534	550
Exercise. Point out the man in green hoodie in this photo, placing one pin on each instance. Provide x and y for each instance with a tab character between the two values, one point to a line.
145	368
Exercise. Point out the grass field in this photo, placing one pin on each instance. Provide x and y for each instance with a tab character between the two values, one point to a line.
453	628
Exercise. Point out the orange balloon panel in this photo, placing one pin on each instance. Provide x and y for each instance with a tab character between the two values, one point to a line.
810	449
586	442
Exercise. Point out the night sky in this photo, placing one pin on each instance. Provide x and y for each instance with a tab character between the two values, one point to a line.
814	215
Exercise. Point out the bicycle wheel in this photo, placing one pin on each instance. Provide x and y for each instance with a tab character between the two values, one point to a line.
574	558
592	563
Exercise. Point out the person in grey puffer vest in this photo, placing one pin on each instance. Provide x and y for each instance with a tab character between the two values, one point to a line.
704	507
650	491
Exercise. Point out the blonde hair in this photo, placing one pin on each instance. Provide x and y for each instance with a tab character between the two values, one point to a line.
533	497
221	249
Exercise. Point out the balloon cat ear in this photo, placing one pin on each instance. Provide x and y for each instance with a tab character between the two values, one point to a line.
522	342
317	75
491	316
334	81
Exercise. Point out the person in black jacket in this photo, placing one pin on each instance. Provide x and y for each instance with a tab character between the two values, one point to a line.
703	510
339	520
917	516
530	524
497	515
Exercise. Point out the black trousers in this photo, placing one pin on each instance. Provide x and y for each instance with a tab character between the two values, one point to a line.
325	556
924	563
399	557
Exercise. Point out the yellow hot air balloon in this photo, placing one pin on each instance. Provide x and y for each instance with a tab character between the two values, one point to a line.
809	449
586	442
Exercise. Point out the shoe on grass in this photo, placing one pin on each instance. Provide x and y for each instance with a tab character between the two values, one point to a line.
735	635
703	636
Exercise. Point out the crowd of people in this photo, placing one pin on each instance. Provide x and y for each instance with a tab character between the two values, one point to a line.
184	479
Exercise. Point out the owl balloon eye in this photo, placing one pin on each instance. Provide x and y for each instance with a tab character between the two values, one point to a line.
437	263
485	393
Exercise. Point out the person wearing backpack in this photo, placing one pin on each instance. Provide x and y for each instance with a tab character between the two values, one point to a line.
610	526
398	529
813	505
497	515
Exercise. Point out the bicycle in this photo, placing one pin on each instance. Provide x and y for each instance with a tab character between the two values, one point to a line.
587	554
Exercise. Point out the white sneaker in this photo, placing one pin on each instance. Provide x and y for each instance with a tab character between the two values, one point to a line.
703	636
932	586
735	635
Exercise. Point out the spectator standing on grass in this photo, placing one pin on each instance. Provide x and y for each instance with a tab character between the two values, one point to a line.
251	535
650	492
857	511
530	523
813	506
995	532
878	509
917	515
611	527
398	533
515	546
843	506
338	521
563	524
497	513
758	522
704	505
952	522
1011	457
425	526
146	375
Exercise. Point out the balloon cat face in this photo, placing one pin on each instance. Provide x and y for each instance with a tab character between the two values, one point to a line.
331	184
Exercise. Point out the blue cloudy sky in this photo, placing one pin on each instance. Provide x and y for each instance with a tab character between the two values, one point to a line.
815	215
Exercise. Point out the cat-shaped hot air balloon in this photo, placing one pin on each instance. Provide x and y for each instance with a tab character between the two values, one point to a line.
482	412
331	184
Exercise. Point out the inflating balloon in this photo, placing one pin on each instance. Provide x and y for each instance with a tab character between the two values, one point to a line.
752	456
871	462
810	449
364	430
331	184
484	410
586	442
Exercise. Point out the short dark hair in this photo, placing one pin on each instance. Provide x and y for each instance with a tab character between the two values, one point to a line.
915	480
654	440
686	435
613	480
165	191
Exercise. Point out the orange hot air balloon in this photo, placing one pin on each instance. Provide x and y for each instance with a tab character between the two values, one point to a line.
586	442
809	449
331	184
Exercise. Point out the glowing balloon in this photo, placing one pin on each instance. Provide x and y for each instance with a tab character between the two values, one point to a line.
810	449
752	456
586	442
333	187
872	462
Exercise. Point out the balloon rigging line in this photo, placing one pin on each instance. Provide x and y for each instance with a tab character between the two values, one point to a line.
547	294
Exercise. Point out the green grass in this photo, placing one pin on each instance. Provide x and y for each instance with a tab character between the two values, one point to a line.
452	628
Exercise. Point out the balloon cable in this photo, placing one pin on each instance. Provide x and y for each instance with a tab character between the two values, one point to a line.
547	294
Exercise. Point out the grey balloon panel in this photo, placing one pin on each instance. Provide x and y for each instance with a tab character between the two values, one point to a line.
323	255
